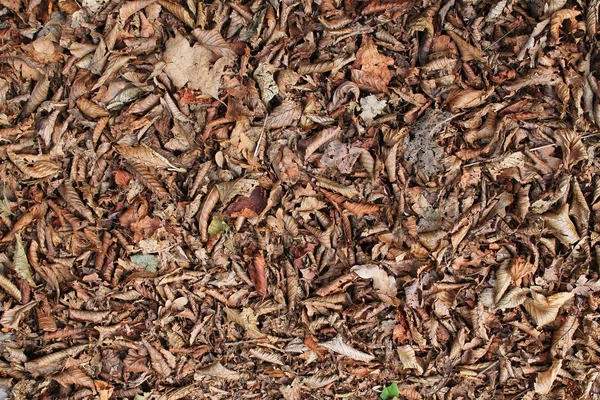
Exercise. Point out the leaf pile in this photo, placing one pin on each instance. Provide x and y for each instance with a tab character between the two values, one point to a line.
299	199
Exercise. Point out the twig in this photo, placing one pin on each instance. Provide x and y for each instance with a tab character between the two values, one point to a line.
260	137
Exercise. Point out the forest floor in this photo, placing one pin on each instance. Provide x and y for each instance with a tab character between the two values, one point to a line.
298	199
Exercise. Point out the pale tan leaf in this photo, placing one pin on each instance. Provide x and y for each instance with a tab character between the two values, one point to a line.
502	281
47	127
71	196
347	191
337	345
146	156
258	274
266	356
218	371
561	226
148	177
384	285
535	77
467	51
514	298
74	376
190	65
293	391
53	361
469	98
12	317
390	162
545	380
246	319
562	338
88	316
579	208
20	262
359	209
38	95
558	18
317	382
177	10
592	18
292	285
159	363
238	187
203	217
574	150
10	288
286	114
321	138
38	169
90	109
408	358
521	268
212	40
131	7
543	309
410	392
178	393
342	93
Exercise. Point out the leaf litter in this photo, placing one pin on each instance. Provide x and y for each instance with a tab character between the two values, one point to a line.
314	199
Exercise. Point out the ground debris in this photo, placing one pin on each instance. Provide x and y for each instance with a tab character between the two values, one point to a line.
299	199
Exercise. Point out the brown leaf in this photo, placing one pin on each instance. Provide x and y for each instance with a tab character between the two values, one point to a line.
212	40
74	376
159	364
91	109
190	65
286	114
249	207
545	380
258	274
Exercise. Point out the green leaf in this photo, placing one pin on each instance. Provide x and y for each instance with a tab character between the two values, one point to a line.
148	261
390	391
216	226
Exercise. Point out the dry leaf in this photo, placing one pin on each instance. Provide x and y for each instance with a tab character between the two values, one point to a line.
190	65
258	274
543	309
218	371
20	262
408	358
337	345
545	380
384	285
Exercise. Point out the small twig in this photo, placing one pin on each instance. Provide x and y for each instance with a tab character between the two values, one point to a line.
260	137
496	42
492	365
